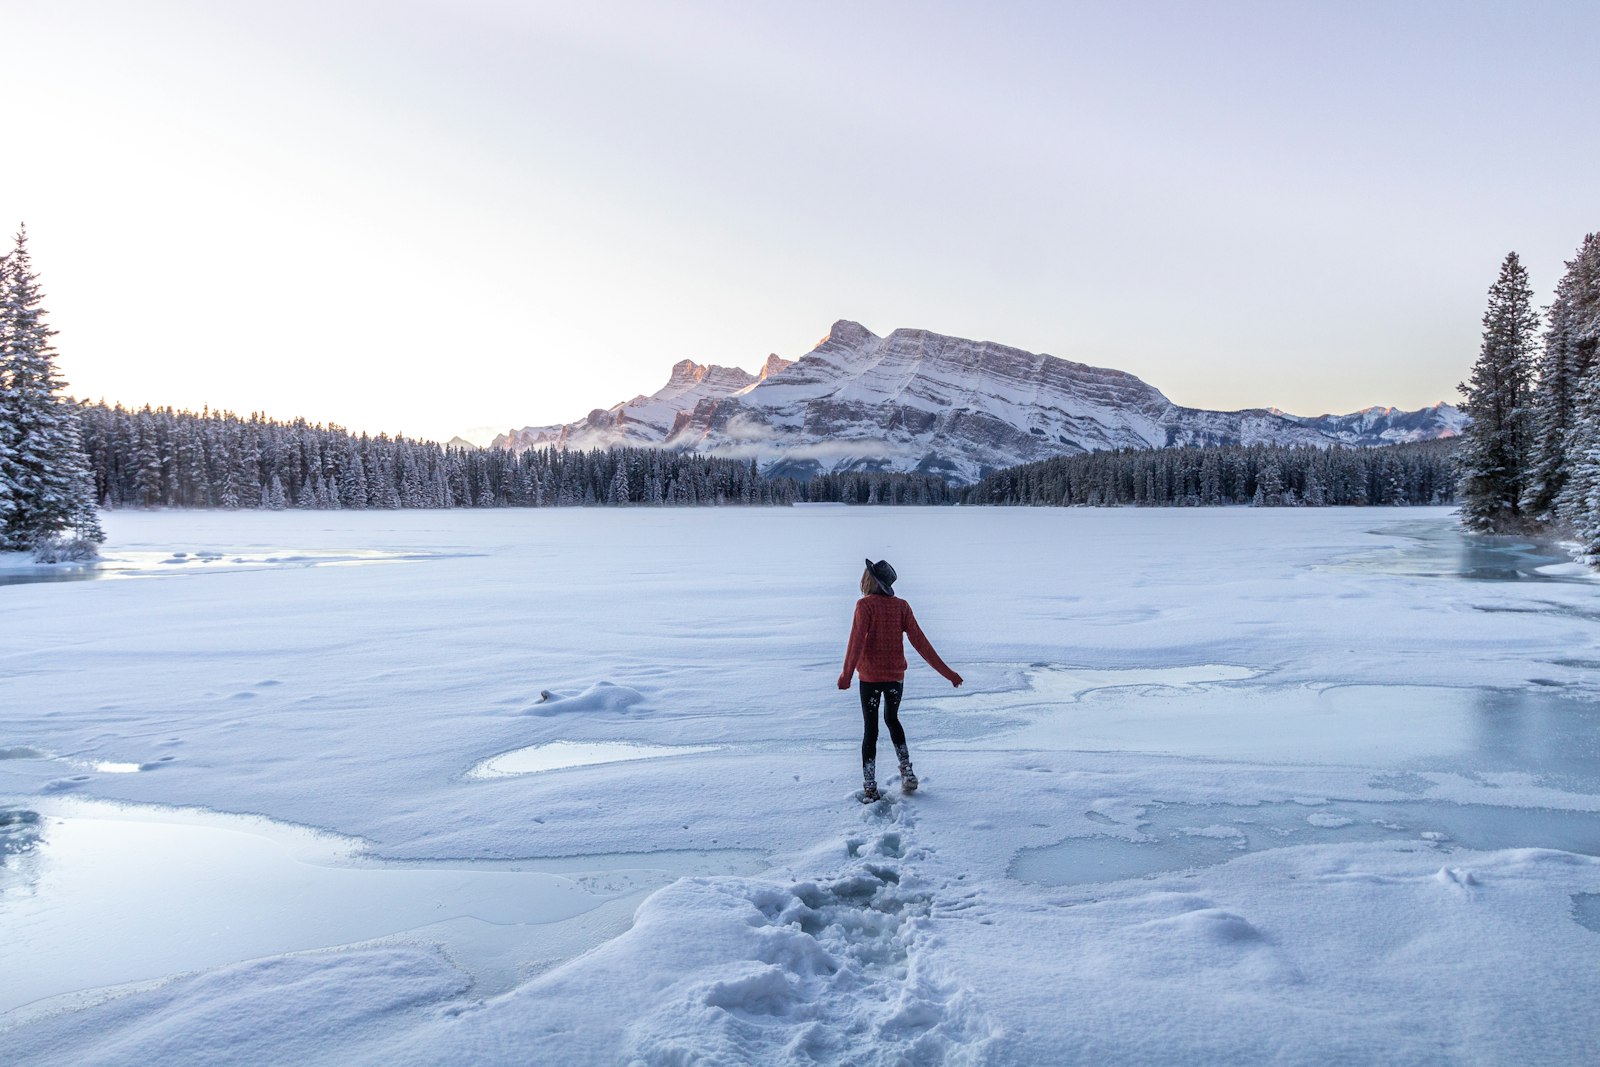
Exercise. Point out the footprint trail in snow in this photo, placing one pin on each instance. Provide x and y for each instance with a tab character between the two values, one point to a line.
846	967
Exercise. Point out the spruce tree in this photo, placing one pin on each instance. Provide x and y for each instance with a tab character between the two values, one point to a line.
1494	456
1568	359
10	473
46	472
1575	328
1579	503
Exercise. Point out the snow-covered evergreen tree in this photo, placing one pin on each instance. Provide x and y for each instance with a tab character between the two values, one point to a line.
10	473
48	490
619	485
1579	503
1568	359
273	499
1316	496
1575	335
1495	445
1269	486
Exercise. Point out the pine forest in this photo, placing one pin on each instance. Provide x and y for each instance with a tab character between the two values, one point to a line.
167	458
1530	456
1262	475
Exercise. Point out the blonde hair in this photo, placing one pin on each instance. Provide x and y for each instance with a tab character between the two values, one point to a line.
869	584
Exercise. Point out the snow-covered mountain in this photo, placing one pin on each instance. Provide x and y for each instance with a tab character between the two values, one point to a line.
1387	426
646	420
922	401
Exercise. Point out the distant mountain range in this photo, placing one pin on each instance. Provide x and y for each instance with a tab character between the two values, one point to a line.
922	401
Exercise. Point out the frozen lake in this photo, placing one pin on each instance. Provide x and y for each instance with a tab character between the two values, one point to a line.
446	783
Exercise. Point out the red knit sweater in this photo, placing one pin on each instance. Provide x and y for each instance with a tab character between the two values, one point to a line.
875	649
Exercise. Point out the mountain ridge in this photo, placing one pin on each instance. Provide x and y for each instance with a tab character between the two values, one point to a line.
917	400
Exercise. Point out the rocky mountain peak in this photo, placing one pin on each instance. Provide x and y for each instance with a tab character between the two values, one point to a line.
686	370
917	400
845	334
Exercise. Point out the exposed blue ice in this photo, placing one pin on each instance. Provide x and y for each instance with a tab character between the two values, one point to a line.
95	896
1173	837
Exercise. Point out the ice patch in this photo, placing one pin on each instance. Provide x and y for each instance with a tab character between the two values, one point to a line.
141	564
19	831
1048	684
1432	551
1231	833
1586	910
114	767
54	572
1169	841
1541	729
556	755
1402	782
1102	858
99	896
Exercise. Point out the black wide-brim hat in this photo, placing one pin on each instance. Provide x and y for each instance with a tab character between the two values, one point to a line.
883	574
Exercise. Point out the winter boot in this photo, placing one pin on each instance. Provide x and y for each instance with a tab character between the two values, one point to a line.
869	782
908	777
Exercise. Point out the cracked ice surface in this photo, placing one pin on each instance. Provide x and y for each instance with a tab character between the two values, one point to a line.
1223	786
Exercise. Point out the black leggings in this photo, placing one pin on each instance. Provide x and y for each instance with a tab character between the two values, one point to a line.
871	692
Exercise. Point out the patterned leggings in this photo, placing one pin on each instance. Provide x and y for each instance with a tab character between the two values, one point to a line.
871	693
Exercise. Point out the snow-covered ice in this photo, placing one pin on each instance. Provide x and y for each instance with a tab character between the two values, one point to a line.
1223	785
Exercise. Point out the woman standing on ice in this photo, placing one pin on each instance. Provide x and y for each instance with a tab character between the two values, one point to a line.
876	652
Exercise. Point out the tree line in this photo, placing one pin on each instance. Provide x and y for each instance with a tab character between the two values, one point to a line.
162	457
1262	475
1530	458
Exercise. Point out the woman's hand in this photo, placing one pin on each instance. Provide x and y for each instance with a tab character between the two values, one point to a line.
956	681
844	681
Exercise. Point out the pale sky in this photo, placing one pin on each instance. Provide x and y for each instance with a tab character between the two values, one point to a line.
439	218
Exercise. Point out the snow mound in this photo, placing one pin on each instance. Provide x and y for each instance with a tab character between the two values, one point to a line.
319	1007
1566	570
1199	937
600	697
